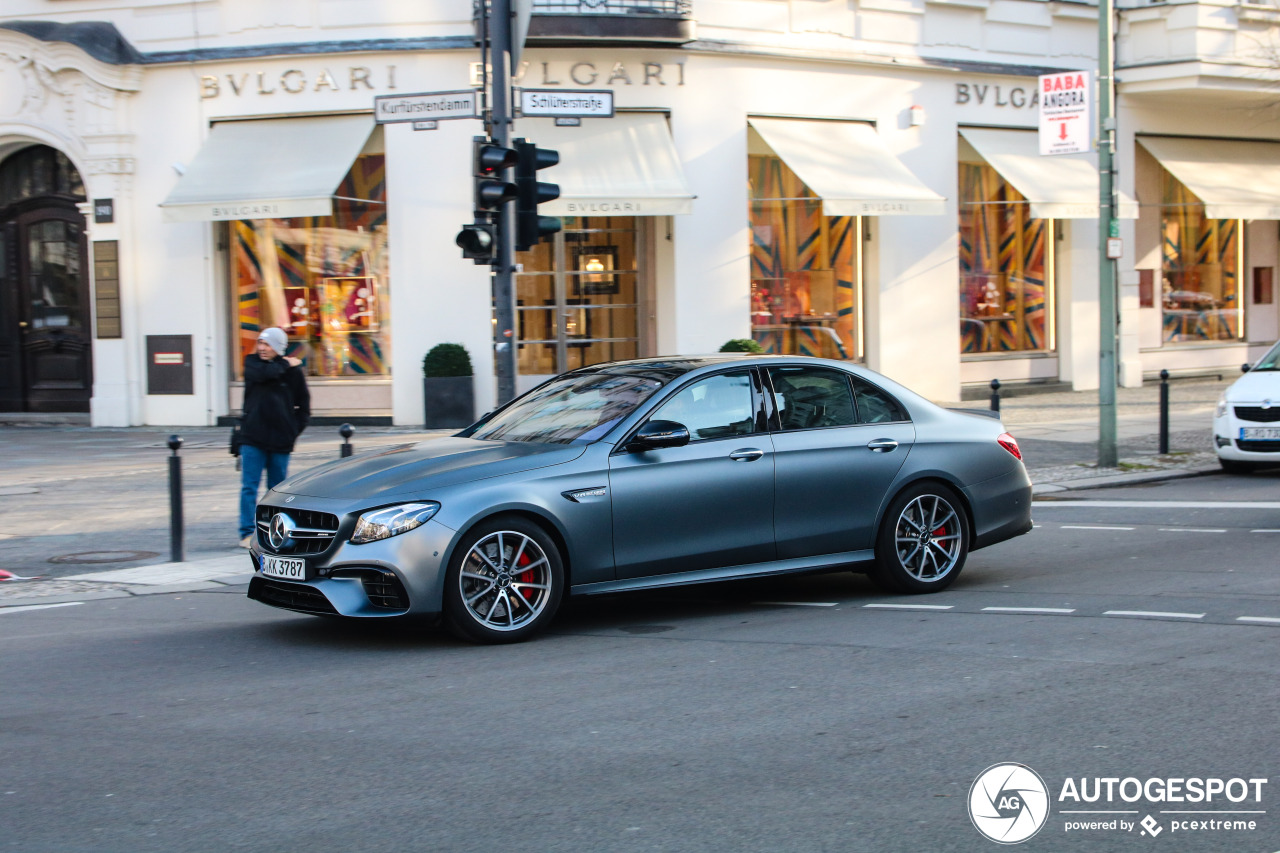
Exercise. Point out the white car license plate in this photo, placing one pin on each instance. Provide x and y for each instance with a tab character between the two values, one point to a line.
1260	433
284	567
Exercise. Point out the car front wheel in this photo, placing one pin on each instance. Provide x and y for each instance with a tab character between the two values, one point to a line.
923	541
1231	466
504	583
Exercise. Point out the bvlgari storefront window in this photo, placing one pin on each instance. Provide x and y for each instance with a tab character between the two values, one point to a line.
1200	261
322	279
805	291
1006	267
578	296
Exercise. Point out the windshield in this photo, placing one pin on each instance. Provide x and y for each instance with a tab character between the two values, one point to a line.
1270	361
576	409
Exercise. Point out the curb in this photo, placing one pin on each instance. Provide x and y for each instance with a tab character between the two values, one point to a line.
1111	481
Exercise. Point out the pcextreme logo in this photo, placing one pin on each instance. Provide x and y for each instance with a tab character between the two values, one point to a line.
1009	803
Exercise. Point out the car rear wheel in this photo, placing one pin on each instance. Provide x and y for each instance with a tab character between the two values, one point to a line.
923	541
504	583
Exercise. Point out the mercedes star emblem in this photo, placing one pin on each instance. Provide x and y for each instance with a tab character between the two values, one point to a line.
281	531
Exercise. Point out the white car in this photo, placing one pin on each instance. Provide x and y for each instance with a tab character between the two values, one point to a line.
1246	424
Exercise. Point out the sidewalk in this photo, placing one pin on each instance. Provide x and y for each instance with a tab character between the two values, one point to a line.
86	510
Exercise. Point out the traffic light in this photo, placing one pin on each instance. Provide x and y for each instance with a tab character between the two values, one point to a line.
530	227
479	241
489	160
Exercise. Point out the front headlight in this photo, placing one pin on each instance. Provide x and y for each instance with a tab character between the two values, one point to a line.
392	521
1221	411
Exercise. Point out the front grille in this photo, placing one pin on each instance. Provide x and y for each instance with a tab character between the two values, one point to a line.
1258	415
383	587
291	596
315	531
1259	446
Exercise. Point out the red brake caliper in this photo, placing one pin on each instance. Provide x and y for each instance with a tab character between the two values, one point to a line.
525	577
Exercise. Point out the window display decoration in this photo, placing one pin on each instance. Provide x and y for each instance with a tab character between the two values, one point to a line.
322	279
803	290
1004	267
1200	269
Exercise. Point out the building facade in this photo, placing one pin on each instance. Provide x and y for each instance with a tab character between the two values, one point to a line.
858	181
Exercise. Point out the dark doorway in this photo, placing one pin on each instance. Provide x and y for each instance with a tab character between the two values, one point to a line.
46	362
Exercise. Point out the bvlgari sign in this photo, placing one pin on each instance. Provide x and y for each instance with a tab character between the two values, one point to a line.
296	81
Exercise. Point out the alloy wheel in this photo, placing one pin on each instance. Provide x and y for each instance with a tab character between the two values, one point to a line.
505	581
928	538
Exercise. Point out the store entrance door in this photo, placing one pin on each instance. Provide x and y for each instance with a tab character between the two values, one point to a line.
582	297
45	344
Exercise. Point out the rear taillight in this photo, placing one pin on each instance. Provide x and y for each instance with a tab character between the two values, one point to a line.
1010	444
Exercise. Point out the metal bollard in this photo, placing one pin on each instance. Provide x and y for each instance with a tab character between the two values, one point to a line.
1164	412
346	431
177	549
995	395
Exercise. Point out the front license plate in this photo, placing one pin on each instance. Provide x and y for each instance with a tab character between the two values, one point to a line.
284	567
1260	433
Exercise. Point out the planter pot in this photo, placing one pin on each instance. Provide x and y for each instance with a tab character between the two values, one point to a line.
449	402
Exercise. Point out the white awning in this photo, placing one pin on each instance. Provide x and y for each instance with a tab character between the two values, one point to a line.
269	169
850	168
621	166
1061	186
1236	179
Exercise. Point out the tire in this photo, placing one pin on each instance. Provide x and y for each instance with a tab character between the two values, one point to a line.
923	540
484	601
1231	466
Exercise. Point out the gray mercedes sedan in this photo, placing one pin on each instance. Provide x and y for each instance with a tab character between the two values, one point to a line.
641	474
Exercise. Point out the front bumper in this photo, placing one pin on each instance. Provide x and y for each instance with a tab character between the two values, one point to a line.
402	575
1230	444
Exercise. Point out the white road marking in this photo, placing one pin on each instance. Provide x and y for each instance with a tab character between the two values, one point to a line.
910	606
1264	530
1030	609
1162	504
1153	613
38	606
1093	527
1265	620
1191	529
799	603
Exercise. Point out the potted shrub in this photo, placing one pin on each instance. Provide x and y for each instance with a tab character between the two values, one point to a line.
448	392
742	345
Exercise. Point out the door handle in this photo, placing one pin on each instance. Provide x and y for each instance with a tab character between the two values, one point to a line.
883	445
749	454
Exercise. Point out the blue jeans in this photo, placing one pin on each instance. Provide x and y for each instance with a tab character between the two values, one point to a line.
253	460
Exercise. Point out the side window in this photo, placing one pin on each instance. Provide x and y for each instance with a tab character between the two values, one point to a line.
875	406
809	397
717	407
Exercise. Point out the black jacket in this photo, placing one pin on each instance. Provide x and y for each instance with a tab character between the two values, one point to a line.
277	404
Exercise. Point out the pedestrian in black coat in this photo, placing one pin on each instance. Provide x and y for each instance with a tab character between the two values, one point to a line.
277	407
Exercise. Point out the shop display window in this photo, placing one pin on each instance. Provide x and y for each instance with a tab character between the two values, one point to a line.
1200	269
1006	280
578	296
805	268
322	279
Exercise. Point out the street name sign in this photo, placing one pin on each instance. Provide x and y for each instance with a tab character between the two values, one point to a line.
1064	113
425	106
557	103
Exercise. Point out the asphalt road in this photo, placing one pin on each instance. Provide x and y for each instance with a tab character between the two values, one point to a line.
801	714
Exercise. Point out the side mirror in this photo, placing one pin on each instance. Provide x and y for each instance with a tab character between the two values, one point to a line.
658	434
1244	368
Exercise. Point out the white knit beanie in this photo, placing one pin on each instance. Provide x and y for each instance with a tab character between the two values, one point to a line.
276	339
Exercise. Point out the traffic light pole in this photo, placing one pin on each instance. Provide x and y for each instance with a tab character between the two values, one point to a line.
504	304
1107	223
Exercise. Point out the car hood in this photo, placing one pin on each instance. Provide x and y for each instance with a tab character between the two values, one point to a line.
1256	387
415	469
